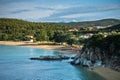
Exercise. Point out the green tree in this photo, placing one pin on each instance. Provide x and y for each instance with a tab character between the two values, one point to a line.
5	37
42	36
96	40
71	41
60	37
50	33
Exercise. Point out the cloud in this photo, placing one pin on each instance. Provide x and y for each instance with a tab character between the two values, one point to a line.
20	11
46	10
23	11
43	8
82	13
31	14
88	9
76	15
53	7
78	12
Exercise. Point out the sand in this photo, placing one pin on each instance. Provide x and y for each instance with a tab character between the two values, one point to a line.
106	73
63	48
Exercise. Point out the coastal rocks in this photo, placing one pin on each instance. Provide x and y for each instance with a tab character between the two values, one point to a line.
50	58
96	57
115	63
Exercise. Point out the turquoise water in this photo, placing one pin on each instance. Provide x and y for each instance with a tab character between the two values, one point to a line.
16	65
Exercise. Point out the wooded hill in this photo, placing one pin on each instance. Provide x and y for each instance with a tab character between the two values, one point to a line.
103	22
112	28
14	29
17	30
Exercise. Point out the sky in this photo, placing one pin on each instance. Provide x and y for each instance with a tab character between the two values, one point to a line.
60	10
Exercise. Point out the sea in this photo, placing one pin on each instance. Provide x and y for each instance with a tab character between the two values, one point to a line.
15	64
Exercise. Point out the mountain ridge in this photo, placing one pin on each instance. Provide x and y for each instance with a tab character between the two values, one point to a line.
98	23
102	22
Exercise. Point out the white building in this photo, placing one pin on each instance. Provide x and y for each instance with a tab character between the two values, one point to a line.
86	35
31	37
72	30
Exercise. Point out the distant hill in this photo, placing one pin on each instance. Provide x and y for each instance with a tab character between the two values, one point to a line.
113	28
103	22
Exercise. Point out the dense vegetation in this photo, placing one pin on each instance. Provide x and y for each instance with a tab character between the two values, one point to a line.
109	44
14	29
104	22
112	28
100	50
18	30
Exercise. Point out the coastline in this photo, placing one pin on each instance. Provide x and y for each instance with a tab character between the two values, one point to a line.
60	48
106	73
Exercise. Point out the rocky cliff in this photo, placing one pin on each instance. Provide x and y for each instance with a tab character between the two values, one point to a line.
100	51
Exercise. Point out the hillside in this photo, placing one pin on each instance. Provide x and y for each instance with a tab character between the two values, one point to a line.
103	22
14	29
17	30
112	28
100	51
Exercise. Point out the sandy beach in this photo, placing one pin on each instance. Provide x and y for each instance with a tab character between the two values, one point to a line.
63	48
106	73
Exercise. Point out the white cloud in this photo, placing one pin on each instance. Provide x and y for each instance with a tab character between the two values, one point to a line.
48	11
76	15
57	7
23	11
74	20
31	14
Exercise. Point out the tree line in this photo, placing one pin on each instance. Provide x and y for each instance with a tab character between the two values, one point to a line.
17	30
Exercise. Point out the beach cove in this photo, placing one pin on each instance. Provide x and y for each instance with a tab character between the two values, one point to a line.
108	74
15	64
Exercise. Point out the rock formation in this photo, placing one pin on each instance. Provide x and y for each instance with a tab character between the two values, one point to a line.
108	56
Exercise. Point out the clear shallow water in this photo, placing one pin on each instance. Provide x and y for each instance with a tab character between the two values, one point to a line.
16	65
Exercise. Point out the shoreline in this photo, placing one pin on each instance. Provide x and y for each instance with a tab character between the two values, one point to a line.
106	73
60	48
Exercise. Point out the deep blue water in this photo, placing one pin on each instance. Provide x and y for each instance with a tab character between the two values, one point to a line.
16	65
